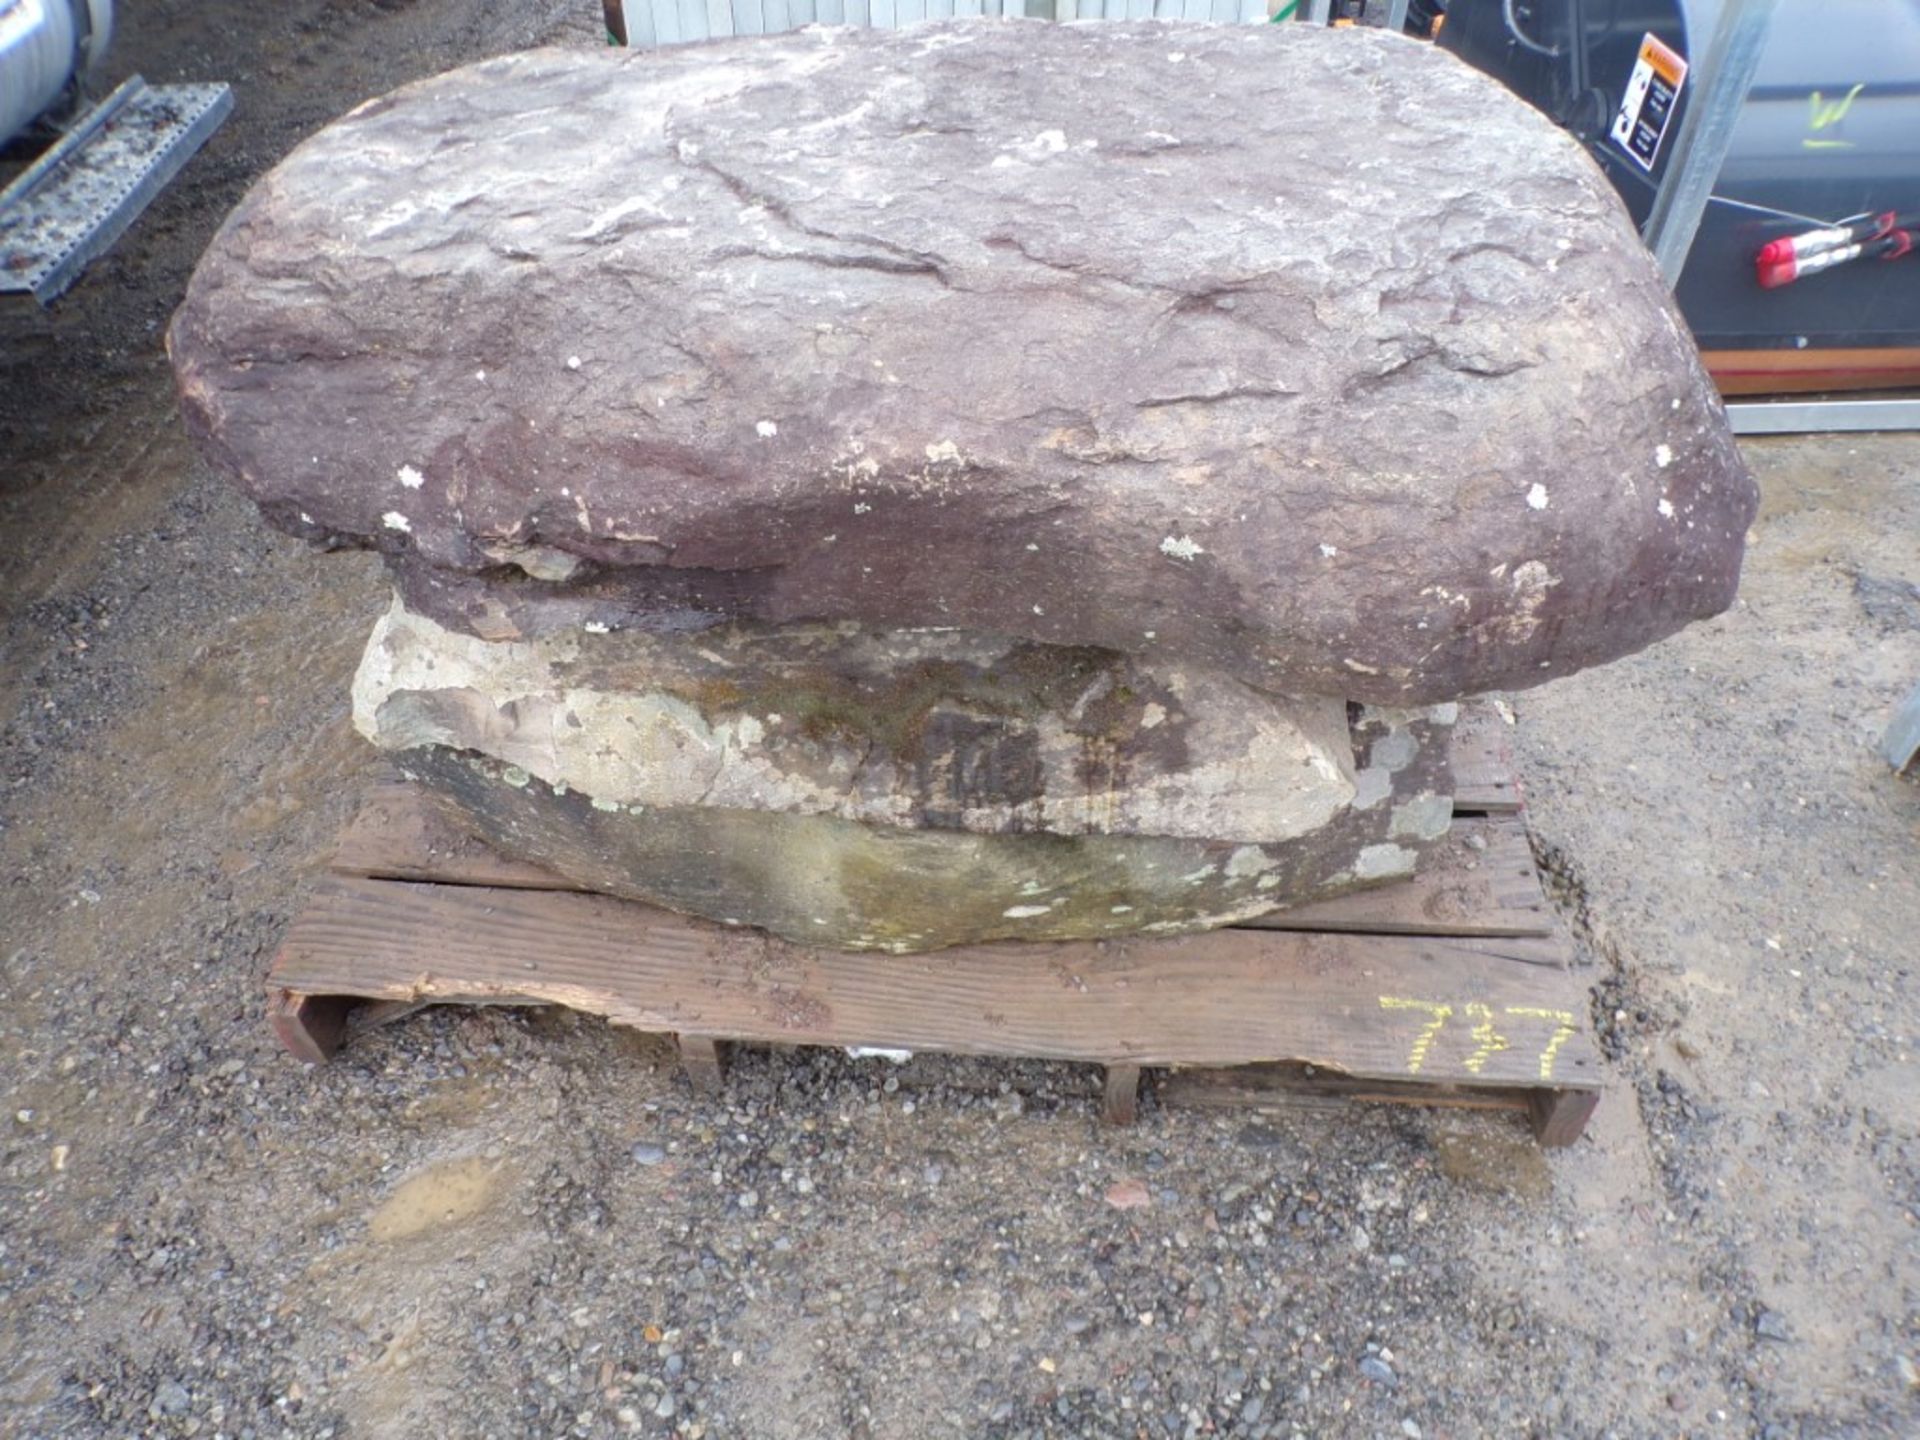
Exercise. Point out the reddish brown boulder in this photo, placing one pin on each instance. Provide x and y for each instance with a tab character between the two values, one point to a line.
1250	347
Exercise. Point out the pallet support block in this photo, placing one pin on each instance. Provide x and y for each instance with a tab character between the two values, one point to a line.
309	1027
704	1062
1120	1099
1559	1117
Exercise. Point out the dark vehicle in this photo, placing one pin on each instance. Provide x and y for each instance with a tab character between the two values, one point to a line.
1830	133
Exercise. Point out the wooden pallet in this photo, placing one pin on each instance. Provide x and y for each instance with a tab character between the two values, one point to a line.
1452	988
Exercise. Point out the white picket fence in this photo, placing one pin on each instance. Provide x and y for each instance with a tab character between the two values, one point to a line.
675	22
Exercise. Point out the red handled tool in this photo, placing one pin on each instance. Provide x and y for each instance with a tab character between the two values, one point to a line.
1883	245
1831	237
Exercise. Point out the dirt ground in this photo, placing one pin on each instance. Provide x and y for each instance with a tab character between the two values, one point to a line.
505	1223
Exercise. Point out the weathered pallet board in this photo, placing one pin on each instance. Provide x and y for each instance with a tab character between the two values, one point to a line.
1225	997
1446	1012
1483	772
1484	883
1557	1116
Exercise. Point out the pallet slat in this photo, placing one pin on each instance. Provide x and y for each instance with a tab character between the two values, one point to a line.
1489	888
1375	1006
1483	779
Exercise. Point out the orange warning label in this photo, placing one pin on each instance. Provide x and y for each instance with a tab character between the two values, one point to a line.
1646	110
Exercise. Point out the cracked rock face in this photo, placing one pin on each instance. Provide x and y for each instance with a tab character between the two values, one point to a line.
822	880
1243	348
916	729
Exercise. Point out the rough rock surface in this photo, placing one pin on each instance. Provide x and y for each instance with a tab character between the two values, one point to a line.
1246	346
921	729
826	881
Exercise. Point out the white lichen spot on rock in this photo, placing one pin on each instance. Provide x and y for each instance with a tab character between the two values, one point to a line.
765	429
1152	715
394	520
606	806
1329	551
1383	862
1662	456
597	627
1426	816
861	507
1371	785
1530	584
1246	862
1120	910
1025	912
516	777
410	477
1181	547
573	362
944	452
1537	497
1666	508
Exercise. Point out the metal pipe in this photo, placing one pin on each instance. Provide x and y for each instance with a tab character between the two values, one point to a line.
1721	78
1818	417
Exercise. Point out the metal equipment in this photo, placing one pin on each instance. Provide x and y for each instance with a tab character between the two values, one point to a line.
104	167
46	49
1825	137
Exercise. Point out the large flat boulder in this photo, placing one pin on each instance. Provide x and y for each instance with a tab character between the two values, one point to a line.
916	729
1315	358
823	880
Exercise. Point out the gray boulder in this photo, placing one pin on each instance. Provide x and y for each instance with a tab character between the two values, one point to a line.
1248	348
821	880
913	729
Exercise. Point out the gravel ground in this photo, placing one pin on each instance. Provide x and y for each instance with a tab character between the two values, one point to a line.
507	1223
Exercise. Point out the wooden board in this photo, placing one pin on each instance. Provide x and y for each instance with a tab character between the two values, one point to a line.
1484	883
1557	1116
1813	370
1483	779
1388	1007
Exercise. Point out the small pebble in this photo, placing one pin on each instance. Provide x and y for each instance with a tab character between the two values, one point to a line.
1378	1371
1771	1325
1129	1195
647	1153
